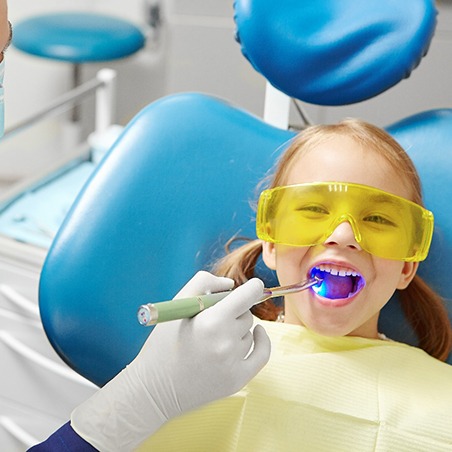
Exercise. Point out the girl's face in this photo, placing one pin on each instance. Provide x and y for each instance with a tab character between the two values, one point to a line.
343	160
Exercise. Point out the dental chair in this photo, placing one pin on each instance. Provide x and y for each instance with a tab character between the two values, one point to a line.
181	179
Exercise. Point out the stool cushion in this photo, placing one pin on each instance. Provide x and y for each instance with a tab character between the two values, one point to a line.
78	37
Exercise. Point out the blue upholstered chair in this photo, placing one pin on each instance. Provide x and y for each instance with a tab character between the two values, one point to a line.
179	181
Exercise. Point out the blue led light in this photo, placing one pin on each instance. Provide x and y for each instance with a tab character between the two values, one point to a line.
320	289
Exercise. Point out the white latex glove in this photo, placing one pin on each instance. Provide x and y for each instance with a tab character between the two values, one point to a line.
183	365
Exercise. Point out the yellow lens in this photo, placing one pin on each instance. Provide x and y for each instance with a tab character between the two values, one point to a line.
383	224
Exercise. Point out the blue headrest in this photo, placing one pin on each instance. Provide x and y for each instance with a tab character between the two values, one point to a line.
175	187
334	52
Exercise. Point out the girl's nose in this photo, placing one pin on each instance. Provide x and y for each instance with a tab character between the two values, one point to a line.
343	236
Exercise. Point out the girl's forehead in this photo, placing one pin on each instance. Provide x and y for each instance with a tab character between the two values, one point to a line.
342	159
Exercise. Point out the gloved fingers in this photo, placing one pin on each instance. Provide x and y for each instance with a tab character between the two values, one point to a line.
204	282
240	300
217	336
260	354
245	344
242	325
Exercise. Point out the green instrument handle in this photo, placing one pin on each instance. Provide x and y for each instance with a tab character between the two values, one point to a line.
182	308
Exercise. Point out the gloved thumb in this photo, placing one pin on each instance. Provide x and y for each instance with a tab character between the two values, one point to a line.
260	354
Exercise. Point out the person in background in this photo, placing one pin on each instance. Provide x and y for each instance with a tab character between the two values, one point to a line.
5	28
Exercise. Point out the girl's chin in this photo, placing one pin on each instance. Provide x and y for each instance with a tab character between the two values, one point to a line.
323	316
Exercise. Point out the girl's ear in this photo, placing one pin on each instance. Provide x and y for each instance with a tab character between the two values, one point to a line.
269	255
408	271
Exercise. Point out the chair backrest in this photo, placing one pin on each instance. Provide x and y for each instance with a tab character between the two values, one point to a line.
174	188
180	181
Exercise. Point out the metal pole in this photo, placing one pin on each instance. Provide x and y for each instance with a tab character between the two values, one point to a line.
66	102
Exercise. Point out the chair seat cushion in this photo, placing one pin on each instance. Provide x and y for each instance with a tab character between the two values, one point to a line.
78	37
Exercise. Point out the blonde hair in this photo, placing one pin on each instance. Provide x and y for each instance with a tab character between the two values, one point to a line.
423	307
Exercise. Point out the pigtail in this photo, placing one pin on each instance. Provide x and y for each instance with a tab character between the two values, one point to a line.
239	265
426	313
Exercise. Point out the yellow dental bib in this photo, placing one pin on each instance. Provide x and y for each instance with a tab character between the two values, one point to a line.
325	394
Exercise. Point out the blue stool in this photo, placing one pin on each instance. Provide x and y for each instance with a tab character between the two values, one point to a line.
77	38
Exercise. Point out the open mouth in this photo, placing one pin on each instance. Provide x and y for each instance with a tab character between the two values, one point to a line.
337	283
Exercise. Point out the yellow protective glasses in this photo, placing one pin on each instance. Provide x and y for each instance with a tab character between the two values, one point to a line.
385	225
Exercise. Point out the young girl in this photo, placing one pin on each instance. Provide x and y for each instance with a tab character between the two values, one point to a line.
344	206
357	152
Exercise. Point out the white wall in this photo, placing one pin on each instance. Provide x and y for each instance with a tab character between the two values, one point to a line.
204	56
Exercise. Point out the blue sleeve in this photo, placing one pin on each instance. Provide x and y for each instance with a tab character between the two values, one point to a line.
64	440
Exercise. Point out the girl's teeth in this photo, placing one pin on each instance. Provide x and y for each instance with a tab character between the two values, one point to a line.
336	272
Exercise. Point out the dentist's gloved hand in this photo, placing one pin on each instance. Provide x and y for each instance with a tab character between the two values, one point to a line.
183	365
